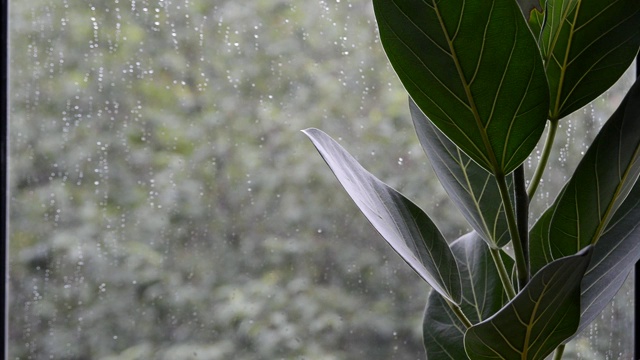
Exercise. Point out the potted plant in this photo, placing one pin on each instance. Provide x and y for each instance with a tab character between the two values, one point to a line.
484	78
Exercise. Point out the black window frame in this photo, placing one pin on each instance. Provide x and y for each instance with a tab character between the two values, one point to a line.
4	156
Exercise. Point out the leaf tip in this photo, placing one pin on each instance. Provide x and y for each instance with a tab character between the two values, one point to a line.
312	133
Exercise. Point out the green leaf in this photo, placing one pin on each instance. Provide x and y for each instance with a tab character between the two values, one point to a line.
602	180
473	67
614	256
482	297
401	223
472	188
586	45
541	317
539	247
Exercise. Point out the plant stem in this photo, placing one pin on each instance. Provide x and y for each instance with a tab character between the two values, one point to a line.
542	164
458	311
522	212
502	272
521	265
559	351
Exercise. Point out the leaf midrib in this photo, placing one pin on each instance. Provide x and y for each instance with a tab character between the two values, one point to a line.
451	121
604	55
474	110
586	48
609	212
563	68
476	200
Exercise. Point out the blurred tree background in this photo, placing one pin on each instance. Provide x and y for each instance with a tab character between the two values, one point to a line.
164	204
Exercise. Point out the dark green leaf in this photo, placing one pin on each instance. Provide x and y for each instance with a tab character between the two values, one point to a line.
482	297
401	223
587	45
613	258
600	183
474	69
539	247
541	317
472	188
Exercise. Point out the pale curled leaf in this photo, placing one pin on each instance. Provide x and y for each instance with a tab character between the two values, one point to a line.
482	297
473	190
401	223
473	67
542	316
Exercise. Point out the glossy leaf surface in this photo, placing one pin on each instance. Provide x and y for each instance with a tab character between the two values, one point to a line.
539	247
614	256
473	67
602	180
587	45
401	223
482	297
472	188
541	317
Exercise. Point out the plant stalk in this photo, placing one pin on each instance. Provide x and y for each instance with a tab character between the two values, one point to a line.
521	264
502	272
559	351
544	158
522	212
459	314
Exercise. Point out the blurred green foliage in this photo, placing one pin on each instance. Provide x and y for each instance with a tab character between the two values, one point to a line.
165	205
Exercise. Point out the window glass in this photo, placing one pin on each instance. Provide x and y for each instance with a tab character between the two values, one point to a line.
164	204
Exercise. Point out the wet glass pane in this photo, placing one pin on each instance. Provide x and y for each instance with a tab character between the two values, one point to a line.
164	204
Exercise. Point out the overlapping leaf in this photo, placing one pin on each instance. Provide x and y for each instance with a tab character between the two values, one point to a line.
472	188
541	317
614	256
401	223
600	183
587	45
539	247
473	67
482	297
